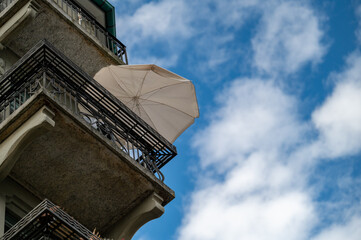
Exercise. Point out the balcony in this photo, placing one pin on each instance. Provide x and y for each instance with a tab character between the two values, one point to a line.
48	221
24	23
95	157
46	69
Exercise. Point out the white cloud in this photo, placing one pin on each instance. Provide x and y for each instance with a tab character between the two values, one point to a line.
255	162
250	187
254	182
155	32
253	116
164	20
290	37
230	14
338	120
164	62
169	24
349	230
261	196
253	156
255	218
255	167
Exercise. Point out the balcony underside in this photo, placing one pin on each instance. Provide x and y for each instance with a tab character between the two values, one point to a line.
78	168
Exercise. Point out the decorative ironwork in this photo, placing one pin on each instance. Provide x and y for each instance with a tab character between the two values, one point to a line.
88	23
93	27
48	221
46	69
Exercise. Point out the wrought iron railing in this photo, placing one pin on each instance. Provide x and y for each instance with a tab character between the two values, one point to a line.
88	23
46	69
48	221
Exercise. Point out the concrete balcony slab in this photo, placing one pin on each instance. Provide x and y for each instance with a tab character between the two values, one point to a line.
75	166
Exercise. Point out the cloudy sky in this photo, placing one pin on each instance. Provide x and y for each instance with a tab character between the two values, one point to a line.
276	153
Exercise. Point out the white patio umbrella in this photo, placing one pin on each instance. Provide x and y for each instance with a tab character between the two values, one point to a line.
164	100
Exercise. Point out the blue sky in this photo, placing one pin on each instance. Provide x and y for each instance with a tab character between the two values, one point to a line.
275	153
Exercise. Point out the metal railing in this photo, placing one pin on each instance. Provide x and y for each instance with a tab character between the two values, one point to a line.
46	69
88	23
48	221
93	27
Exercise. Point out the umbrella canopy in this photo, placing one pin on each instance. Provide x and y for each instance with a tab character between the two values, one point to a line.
164	100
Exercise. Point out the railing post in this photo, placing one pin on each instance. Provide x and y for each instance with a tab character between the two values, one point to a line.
125	55
44	80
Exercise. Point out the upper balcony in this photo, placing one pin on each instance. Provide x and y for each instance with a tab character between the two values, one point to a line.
66	138
76	31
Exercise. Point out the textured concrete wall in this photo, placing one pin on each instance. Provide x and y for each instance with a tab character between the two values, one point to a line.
65	34
7	59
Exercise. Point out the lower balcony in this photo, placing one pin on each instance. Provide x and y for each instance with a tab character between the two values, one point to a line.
48	221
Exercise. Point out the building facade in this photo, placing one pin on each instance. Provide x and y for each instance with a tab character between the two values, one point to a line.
73	158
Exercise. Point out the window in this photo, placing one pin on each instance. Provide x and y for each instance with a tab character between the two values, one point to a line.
10	219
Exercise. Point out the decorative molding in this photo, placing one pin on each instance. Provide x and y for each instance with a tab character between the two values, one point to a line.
29	10
151	208
12	147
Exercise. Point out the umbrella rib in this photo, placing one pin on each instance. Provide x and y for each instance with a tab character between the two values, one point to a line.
116	77
141	86
150	119
169	107
179	132
158	89
123	100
